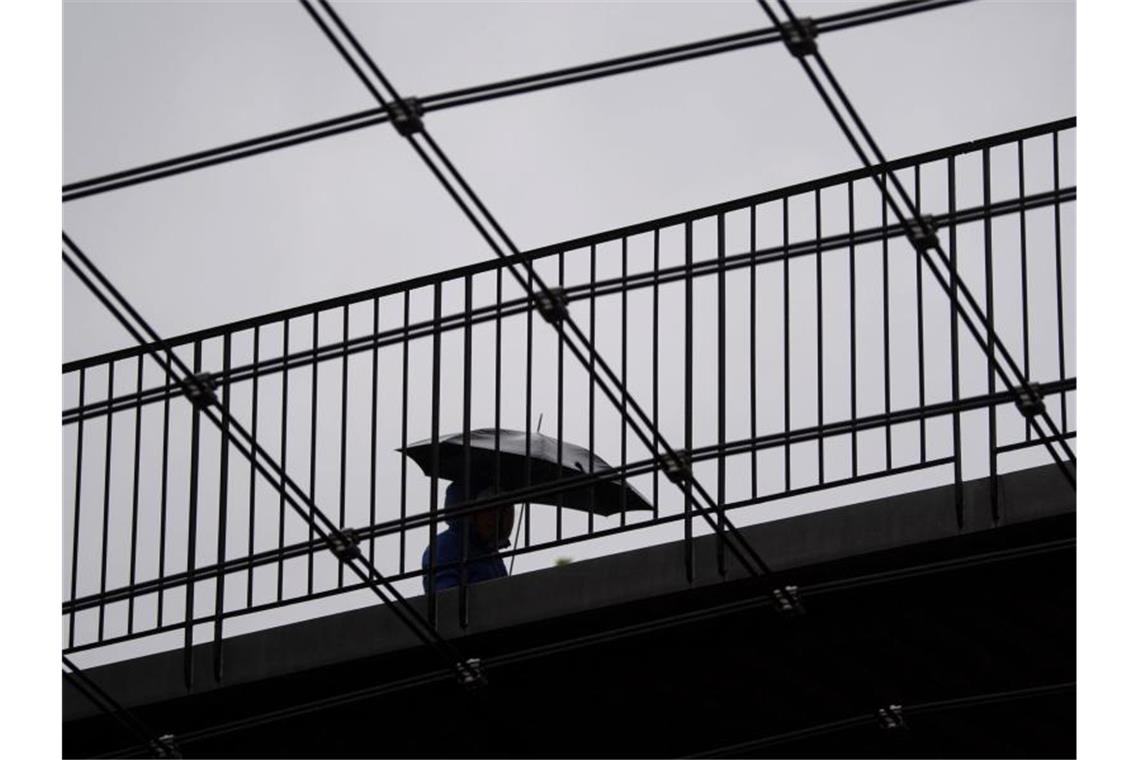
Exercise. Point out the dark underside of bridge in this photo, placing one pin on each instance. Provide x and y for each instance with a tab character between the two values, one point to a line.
972	632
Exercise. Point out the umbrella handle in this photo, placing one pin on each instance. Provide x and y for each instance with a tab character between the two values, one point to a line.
517	529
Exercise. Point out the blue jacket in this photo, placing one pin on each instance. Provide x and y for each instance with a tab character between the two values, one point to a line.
449	548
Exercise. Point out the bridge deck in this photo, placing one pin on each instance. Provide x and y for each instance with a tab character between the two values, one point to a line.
901	607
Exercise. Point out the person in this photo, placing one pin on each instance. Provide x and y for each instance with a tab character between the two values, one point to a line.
488	530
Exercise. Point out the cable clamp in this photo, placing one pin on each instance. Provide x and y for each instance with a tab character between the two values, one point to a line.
799	35
406	115
552	305
922	233
676	467
787	600
470	673
1029	401
199	389
345	545
165	747
890	718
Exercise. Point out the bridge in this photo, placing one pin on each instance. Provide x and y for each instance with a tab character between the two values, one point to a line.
849	403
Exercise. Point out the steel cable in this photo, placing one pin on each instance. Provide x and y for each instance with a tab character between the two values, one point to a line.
812	52
744	552
261	460
480	93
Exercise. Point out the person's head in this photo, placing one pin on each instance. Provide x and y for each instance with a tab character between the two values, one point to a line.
491	526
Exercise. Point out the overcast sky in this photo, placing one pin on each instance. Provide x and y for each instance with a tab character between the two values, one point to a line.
146	81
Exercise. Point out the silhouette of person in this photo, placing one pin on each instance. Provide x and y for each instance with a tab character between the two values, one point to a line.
487	531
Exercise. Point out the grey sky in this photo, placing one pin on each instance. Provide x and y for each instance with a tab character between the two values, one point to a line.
146	81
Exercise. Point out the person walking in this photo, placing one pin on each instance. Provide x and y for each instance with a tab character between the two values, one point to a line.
485	532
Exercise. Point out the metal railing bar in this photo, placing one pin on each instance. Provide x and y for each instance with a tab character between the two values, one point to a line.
207	618
1068	467
484	223
120	308
414	331
771	440
597	238
1068	435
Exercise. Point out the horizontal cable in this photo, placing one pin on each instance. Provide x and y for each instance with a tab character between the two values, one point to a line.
505	88
650	225
224	154
760	443
677	54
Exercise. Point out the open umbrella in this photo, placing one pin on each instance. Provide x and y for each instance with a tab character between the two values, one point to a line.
604	498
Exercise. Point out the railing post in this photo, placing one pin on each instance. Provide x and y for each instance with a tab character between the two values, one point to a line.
191	533
404	431
433	541
955	387
374	389
720	405
920	313
593	376
314	401
560	391
106	501
223	512
343	438
284	459
76	510
135	495
253	412
656	361
1060	282
990	359
852	311
467	495
688	545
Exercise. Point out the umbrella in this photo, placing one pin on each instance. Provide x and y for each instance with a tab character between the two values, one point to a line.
603	498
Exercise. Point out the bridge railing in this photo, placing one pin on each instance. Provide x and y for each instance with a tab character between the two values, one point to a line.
791	343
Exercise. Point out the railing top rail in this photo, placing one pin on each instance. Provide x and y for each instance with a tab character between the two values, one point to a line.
670	220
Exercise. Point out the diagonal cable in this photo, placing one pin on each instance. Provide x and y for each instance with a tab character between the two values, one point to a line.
796	31
337	541
161	746
585	353
798	26
580	352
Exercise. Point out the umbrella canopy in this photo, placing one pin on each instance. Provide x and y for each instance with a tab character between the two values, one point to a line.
605	498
